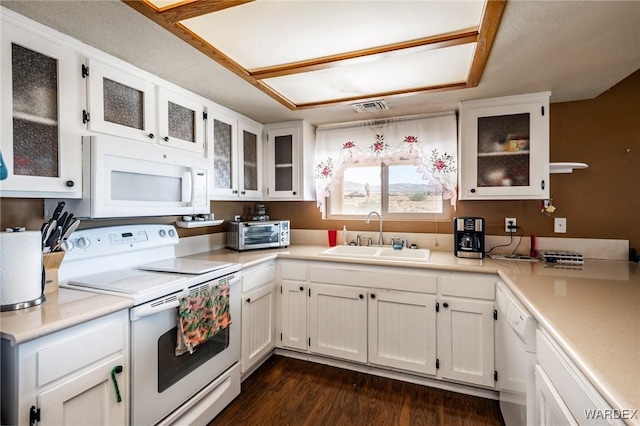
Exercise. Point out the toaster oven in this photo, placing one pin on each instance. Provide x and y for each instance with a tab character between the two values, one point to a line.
257	234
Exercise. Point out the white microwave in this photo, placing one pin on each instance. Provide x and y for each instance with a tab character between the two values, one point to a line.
126	178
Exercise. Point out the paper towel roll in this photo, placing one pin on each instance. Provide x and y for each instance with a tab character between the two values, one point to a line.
21	267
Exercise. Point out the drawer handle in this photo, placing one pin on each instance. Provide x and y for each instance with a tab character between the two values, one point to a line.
116	370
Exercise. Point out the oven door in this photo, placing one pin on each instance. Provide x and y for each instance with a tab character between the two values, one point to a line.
254	235
161	382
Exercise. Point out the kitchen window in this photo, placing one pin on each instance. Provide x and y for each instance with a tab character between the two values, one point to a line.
404	168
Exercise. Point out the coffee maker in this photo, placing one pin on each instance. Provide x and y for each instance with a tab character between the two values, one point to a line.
468	237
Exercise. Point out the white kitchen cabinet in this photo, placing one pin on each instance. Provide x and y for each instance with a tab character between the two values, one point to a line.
550	408
40	123
236	154
68	376
563	393
258	314
402	330
126	104
466	328
338	321
289	161
293	314
504	148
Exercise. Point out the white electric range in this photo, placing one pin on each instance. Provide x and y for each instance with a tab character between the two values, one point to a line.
138	261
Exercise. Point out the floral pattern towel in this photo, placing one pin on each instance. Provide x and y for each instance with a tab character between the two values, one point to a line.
201	315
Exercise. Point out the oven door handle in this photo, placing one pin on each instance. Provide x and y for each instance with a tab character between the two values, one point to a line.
148	309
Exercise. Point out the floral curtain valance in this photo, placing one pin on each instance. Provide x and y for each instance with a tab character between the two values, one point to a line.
429	142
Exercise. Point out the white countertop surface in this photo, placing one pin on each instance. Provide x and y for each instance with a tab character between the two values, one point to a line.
593	313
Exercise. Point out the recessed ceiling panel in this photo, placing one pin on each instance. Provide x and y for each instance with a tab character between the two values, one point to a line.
395	74
267	33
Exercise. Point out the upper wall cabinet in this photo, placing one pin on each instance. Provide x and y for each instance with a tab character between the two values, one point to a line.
289	161
504	148
41	140
127	105
236	153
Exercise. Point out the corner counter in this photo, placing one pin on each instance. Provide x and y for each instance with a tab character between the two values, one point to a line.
593	312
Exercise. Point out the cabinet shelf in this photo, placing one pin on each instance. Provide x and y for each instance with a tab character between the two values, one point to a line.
198	223
566	167
502	153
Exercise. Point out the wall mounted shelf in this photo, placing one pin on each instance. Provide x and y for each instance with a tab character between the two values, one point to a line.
566	167
198	223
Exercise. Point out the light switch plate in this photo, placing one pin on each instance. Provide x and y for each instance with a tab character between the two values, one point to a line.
560	225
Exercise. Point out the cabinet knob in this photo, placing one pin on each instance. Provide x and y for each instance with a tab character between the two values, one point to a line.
242	192
361	296
70	184
166	138
151	136
235	191
373	296
295	193
473	190
301	288
445	305
248	300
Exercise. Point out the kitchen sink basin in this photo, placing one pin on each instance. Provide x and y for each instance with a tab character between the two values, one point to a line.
387	253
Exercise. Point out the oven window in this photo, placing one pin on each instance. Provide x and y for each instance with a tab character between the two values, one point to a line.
172	368
261	234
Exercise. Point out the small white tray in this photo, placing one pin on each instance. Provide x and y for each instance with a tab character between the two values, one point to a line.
198	223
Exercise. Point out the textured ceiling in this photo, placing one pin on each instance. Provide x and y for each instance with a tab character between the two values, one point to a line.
575	49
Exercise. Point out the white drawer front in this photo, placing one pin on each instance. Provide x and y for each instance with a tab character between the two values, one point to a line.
258	276
89	345
476	286
293	270
399	279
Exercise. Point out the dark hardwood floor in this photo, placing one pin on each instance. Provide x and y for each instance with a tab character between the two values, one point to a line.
286	391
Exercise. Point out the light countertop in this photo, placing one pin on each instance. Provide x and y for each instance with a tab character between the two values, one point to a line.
593	313
62	309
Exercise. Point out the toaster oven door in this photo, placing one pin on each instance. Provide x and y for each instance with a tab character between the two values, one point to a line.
259	235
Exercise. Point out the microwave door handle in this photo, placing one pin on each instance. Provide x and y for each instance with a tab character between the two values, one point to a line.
187	186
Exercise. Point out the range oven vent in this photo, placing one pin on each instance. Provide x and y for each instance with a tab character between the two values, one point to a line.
370	106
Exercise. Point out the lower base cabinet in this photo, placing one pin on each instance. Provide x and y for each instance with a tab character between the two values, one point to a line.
258	314
350	313
74	376
550	408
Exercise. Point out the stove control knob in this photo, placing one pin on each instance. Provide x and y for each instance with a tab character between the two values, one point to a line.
172	233
163	233
82	242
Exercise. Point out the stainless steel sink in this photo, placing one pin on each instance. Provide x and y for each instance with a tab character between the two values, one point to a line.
387	253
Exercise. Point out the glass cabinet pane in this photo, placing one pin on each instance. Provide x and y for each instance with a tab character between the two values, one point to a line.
222	145
503	150
182	122
283	146
35	113
250	164
123	105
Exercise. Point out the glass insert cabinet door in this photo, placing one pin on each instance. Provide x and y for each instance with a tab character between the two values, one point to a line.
283	145
120	103
181	121
250	160
504	148
40	147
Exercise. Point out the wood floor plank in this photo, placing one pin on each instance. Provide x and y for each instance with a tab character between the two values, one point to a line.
290	392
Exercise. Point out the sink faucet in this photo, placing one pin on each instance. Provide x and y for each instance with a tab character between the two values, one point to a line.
380	240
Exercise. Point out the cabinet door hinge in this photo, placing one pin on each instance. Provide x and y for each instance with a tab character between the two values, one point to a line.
437	364
495	376
281	337
85	71
542	108
205	115
85	117
267	190
542	184
280	289
495	314
309	341
309	292
437	307
34	415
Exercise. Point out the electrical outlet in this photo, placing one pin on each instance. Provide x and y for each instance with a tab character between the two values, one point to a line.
560	225
509	221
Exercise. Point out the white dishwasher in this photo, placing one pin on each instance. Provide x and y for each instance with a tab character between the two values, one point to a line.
515	358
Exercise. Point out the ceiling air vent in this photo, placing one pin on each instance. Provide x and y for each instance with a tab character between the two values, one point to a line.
370	106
